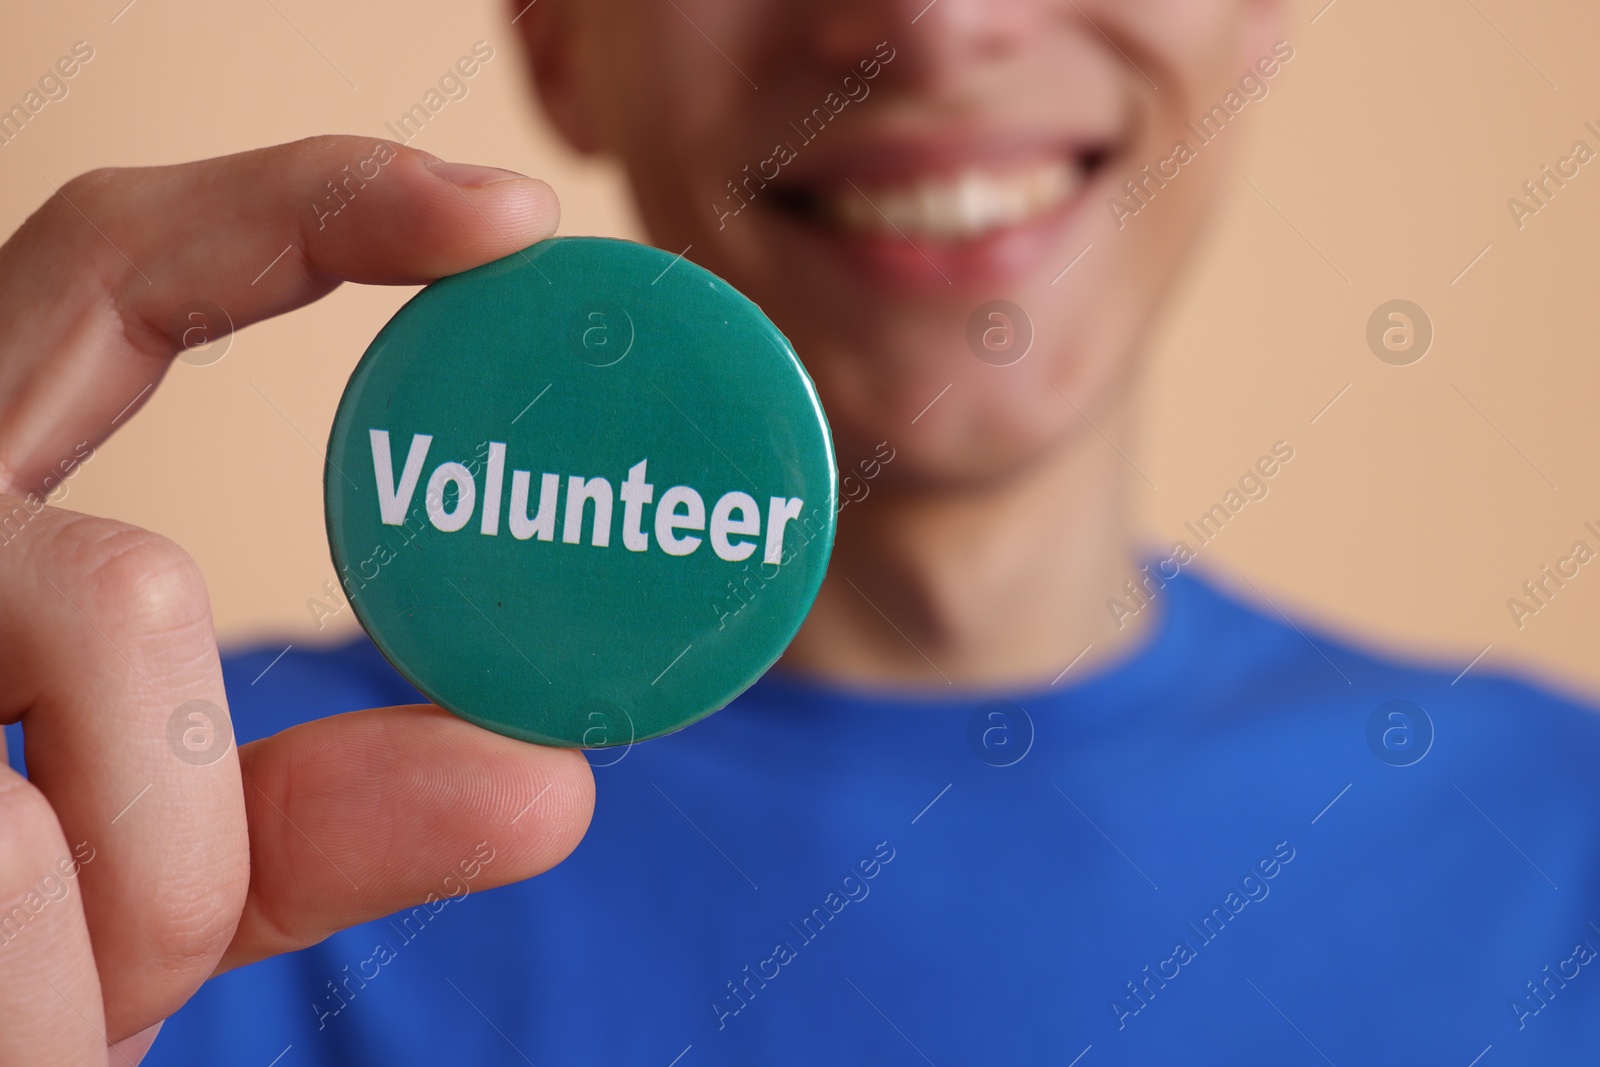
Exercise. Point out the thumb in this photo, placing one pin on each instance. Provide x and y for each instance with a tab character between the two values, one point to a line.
96	286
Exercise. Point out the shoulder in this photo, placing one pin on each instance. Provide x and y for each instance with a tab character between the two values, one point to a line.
1265	656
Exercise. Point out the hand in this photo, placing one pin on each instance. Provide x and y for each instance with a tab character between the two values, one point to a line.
106	629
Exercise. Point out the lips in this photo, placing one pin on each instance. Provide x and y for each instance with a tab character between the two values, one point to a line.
932	212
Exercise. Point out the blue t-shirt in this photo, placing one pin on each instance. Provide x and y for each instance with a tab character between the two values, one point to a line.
1246	843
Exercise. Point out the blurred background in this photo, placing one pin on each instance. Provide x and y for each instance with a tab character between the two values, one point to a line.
1420	497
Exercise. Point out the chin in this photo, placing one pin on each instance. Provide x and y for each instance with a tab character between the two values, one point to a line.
964	443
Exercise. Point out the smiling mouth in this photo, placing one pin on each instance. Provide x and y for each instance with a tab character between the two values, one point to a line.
952	206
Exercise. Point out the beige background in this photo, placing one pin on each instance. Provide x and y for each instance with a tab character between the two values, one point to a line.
1381	165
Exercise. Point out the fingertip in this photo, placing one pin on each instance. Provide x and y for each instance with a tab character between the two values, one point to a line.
410	218
365	813
576	806
511	200
532	204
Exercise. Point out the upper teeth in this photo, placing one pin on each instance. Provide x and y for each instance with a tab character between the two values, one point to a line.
965	204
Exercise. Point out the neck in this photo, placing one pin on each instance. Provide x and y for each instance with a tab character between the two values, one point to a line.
994	587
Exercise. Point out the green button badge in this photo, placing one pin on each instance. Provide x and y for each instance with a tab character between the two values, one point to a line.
583	495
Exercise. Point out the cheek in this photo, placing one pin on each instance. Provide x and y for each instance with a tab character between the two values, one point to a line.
1189	38
673	172
669	100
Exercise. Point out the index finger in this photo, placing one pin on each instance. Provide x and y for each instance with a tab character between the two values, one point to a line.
93	287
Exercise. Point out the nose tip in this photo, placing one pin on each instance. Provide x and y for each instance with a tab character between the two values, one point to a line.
932	31
842	31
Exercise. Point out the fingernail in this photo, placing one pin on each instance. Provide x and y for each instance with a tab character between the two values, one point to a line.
471	176
132	1049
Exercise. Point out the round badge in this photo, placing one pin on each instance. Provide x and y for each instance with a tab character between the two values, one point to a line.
583	495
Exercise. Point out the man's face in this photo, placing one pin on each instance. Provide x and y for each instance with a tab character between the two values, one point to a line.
872	171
